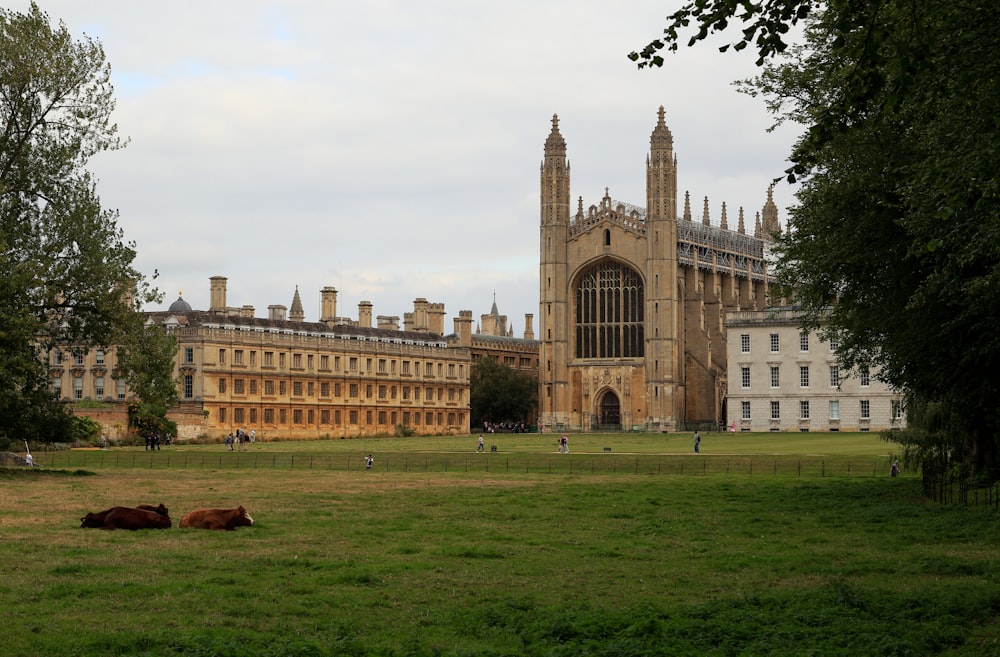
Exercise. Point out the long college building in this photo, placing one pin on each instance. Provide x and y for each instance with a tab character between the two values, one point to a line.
288	378
633	300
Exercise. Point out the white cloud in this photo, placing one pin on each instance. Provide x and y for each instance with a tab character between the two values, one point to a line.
391	149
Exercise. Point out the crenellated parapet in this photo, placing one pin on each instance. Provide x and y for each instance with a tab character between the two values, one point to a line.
630	217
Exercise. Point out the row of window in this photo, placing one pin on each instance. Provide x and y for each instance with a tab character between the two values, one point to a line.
242	386
381	365
835	379
308	416
864	409
76	358
98	387
775	343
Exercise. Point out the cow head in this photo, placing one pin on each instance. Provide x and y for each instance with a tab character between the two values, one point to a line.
243	518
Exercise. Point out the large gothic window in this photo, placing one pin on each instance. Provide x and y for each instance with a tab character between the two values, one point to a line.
609	312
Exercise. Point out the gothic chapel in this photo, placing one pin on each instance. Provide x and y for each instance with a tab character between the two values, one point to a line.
633	300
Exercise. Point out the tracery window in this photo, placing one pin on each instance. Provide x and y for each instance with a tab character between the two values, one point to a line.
609	312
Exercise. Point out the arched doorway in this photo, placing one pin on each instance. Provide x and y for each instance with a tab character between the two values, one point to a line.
610	411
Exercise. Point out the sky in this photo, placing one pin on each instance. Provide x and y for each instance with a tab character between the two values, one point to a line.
391	148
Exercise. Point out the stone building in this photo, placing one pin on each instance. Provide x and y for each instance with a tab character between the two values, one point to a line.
289	378
633	299
784	379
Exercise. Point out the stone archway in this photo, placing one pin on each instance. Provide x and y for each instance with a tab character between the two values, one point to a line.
609	411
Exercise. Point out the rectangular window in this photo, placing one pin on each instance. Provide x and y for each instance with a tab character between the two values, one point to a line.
99	357
281	362
324	417
238	415
57	358
834	410
297	364
297	416
324	363
269	387
77	387
429	394
745	343
866	411
803	341
775	376
353	366
336	368
253	358
406	392
188	354
297	388
428	369
238	387
222	386
406	367
78	358
897	409
353	391
310	416
99	387
282	387
745	410
368	418
222	356
336	417
803	376
775	410
309	365
865	378
268	359
774	343
834	343
803	410
253	416
382	366
382	392
120	388
368	368
237	360
310	389
336	392
282	414
57	386
253	386
368	391
745	377
188	386
353	417
381	417
222	416
324	389
268	416
834	376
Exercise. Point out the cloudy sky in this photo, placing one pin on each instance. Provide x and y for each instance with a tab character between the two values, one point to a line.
391	148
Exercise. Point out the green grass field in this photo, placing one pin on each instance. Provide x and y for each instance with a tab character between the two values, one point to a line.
352	562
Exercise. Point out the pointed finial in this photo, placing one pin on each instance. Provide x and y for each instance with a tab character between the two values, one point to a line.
704	215
723	222
687	206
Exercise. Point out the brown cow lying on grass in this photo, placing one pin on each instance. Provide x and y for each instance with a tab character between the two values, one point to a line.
143	516
225	519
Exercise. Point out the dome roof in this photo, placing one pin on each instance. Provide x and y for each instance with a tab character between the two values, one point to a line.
180	305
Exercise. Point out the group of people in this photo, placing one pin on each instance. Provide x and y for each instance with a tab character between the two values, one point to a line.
241	438
153	441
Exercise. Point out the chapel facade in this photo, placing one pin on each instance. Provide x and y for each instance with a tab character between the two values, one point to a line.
633	300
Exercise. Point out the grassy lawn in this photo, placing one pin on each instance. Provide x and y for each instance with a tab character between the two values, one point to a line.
500	563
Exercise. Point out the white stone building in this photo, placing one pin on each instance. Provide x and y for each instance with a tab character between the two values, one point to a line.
783	379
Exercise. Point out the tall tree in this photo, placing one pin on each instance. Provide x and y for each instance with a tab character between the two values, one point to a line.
894	243
66	273
499	393
145	360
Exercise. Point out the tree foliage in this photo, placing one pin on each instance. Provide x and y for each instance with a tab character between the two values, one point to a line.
500	394
145	361
66	273
894	243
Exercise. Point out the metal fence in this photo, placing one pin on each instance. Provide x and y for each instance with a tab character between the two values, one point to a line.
582	464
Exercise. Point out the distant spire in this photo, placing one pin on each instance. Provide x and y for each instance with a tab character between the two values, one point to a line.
687	206
661	140
723	224
297	314
769	219
742	228
704	215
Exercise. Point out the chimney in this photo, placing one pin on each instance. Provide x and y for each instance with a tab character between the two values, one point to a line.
217	294
365	314
276	312
529	329
388	322
420	314
408	322
435	320
463	327
247	311
328	304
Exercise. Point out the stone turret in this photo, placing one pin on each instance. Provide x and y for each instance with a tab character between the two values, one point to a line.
297	314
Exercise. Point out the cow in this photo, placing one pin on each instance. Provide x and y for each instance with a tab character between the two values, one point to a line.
222	519
120	518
